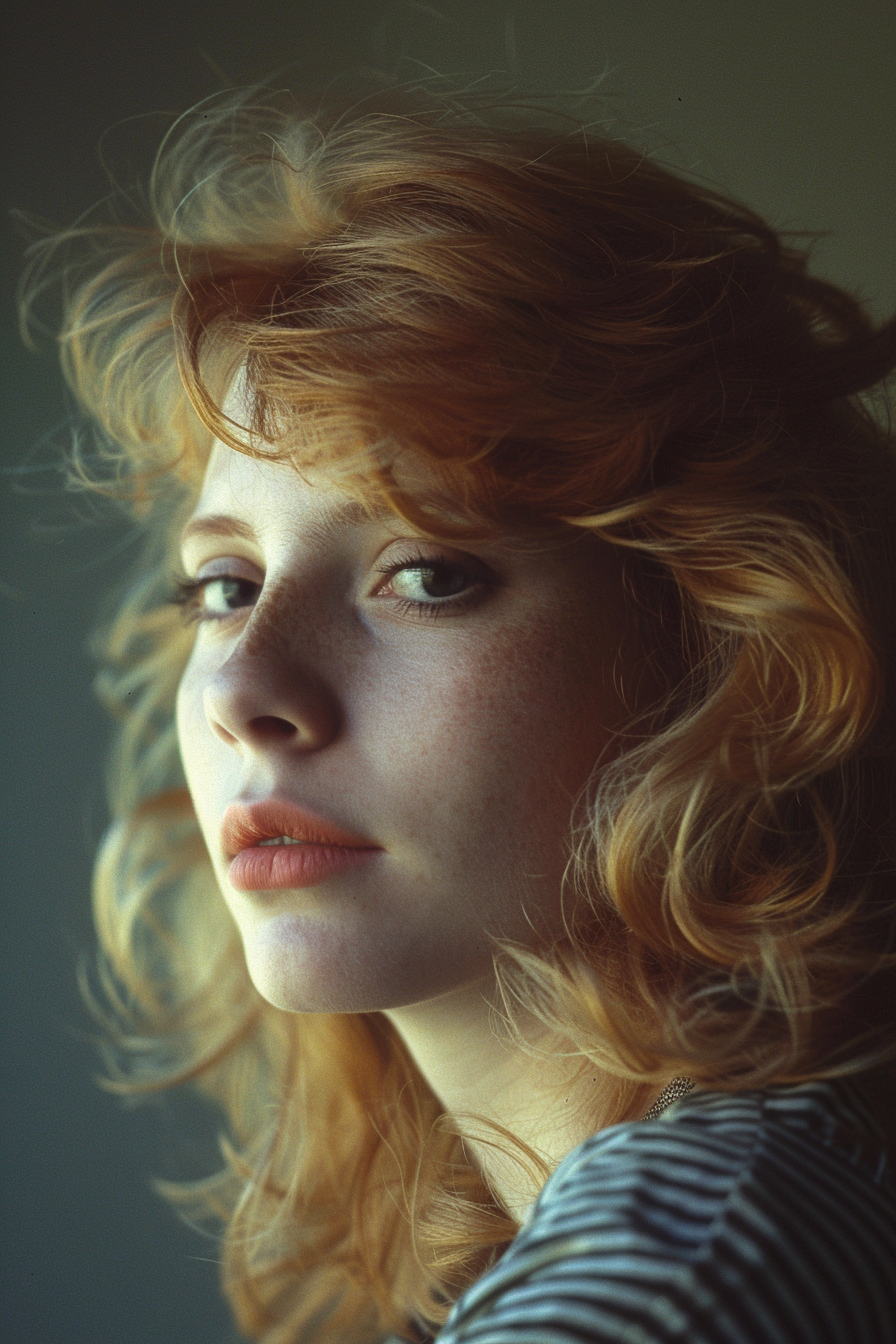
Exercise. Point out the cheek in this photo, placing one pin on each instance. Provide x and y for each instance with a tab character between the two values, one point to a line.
193	736
544	702
496	745
186	719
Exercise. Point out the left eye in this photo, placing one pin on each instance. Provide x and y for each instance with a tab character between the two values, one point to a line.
432	580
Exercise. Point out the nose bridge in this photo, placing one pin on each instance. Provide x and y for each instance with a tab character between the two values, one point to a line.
272	684
276	626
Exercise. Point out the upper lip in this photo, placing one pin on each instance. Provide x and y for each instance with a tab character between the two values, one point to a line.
245	824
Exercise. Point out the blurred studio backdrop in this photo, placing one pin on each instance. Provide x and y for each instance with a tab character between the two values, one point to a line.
789	106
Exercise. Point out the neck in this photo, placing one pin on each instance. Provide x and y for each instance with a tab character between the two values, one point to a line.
538	1093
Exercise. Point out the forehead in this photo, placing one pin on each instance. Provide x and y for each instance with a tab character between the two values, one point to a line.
271	494
445	501
235	480
245	496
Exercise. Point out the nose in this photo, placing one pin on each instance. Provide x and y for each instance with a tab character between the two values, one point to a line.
267	697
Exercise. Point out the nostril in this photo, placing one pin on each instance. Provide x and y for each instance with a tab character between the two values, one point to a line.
269	728
308	716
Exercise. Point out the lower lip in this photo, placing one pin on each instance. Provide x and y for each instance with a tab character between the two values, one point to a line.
268	867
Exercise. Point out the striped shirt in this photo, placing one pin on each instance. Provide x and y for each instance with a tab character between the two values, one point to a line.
765	1217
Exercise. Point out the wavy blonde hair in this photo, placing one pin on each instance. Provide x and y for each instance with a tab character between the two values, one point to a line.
569	336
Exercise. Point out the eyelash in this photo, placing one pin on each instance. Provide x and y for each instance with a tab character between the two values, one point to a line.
406	606
188	592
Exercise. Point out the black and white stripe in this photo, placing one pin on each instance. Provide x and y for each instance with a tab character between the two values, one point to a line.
764	1217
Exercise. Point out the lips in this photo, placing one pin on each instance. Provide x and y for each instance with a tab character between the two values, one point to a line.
245	824
324	849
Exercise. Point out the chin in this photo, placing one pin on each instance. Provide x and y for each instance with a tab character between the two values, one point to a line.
302	988
317	975
306	971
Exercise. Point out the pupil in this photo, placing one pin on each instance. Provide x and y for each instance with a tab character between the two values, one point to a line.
443	578
231	591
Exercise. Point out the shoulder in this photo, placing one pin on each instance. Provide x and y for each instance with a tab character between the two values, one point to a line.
730	1219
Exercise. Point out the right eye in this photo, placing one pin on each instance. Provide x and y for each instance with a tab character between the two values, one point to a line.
214	598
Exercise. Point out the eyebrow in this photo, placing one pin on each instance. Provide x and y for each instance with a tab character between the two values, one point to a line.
218	525
351	514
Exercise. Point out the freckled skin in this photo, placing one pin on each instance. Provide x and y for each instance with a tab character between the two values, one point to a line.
458	744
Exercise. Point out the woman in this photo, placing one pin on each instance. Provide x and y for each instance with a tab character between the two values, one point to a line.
504	802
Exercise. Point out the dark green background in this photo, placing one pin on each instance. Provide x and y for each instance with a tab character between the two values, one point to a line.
787	103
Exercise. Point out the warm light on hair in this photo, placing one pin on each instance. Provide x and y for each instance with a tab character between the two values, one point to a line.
569	336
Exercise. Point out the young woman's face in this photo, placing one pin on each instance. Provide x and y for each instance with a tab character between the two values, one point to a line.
441	706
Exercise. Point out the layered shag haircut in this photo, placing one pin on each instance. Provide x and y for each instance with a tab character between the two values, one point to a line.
568	336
